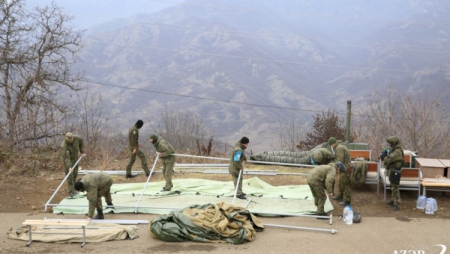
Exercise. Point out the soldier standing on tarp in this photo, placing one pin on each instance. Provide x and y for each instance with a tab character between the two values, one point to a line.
133	145
71	149
96	185
165	151
343	155
393	162
237	164
319	179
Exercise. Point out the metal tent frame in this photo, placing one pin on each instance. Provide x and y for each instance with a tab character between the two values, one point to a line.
137	207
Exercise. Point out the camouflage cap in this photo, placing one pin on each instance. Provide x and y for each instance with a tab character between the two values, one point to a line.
69	136
332	141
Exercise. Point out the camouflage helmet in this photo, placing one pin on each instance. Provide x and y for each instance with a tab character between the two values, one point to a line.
393	140
340	166
317	156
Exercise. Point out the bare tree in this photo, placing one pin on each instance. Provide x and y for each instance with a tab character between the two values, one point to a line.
37	49
289	135
419	122
91	115
325	125
186	132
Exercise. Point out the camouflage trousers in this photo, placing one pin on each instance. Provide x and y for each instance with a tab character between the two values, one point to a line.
72	178
143	159
168	173
395	194
235	175
344	188
105	191
318	192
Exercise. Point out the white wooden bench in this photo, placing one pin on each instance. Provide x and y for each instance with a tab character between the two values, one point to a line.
434	184
81	224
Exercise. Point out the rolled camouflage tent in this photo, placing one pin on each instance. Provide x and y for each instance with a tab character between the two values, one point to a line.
303	157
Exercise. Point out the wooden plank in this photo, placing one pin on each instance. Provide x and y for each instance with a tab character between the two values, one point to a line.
407	158
431	163
446	163
55	223
428	184
410	172
372	167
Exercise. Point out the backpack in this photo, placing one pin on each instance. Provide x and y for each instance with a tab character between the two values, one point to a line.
356	217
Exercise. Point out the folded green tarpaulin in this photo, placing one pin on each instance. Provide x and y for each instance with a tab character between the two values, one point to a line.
221	222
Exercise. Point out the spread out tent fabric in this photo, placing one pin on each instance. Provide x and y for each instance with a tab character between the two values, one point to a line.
221	222
266	199
303	157
103	232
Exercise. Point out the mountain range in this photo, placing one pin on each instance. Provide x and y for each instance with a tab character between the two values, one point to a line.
243	66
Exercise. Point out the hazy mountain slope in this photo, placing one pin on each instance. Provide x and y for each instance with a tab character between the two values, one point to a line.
199	55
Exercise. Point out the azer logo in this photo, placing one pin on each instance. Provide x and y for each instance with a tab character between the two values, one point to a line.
438	248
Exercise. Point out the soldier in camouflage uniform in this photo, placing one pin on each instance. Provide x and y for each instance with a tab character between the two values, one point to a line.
393	161
133	145
165	151
237	164
96	185
322	156
71	149
319	179
343	155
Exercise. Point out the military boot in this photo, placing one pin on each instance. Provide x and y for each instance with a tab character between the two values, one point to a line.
394	208
100	215
390	203
109	205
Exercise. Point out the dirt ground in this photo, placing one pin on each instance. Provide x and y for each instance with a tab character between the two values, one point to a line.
24	197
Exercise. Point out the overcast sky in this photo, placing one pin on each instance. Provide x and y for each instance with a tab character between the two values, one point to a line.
87	13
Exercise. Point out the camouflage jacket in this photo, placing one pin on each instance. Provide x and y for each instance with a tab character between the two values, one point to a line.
237	157
342	154
70	152
165	149
395	158
92	184
322	175
133	138
327	156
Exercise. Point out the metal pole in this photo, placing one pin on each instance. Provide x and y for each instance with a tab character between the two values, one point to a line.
203	157
146	183
248	203
237	184
303	228
65	178
349	116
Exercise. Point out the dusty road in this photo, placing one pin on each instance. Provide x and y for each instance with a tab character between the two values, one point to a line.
372	235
